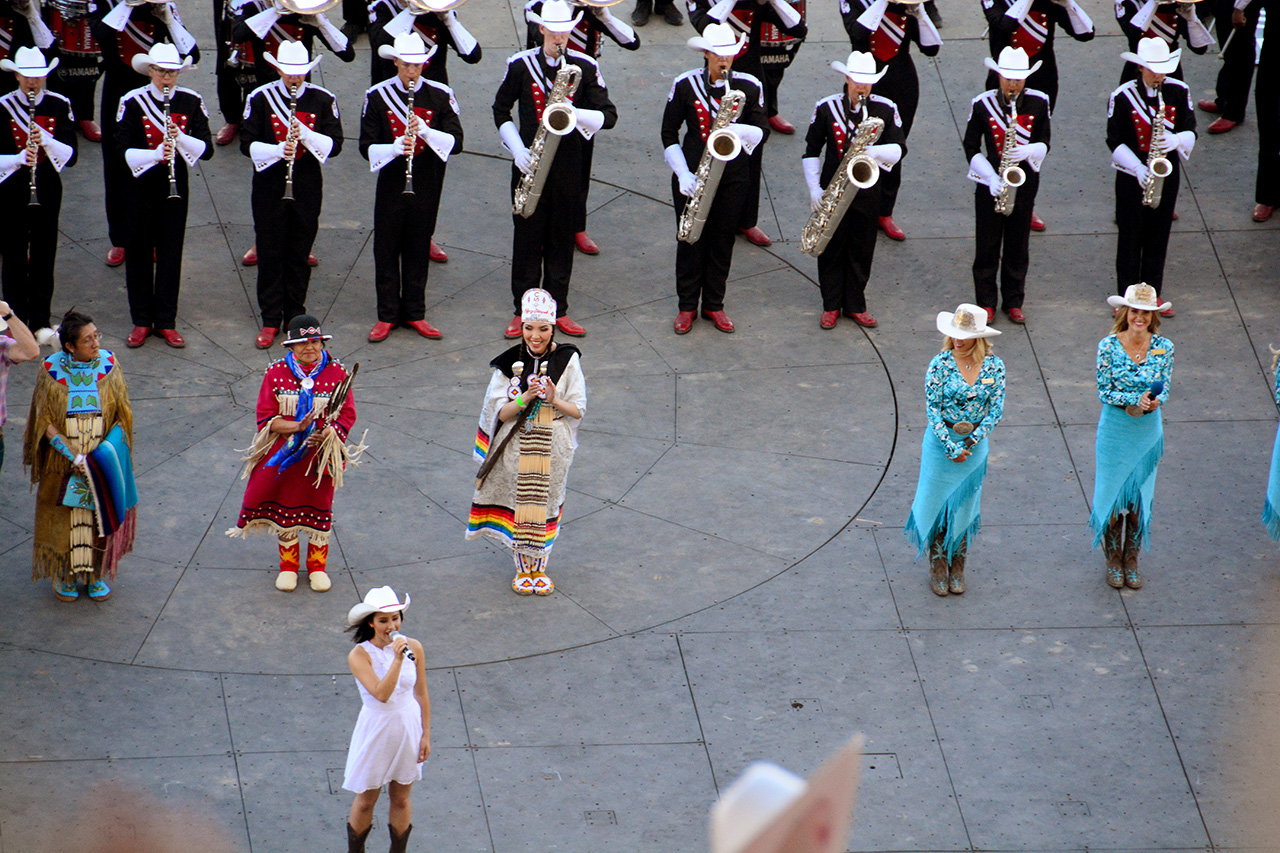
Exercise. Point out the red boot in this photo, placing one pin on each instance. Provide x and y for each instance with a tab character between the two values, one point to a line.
287	580
317	556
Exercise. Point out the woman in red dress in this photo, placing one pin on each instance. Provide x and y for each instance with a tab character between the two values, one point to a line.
305	413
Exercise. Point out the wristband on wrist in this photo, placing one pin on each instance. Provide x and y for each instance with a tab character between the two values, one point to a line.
520	399
61	446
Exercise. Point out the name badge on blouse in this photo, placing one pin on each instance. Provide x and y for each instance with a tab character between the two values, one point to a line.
987	380
1158	351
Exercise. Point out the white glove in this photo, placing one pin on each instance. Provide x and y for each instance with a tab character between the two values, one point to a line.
721	9
1142	19
140	160
1182	142
1198	34
462	39
400	24
190	148
331	34
982	172
1081	23
813	180
623	33
675	160
512	142
871	18
1124	160
786	12
1019	10
886	156
260	23
928	32
589	122
440	142
1033	154
57	152
11	163
317	143
40	34
264	154
749	134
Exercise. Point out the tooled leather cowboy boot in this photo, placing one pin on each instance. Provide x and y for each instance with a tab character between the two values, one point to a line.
955	581
1113	548
938	566
1129	558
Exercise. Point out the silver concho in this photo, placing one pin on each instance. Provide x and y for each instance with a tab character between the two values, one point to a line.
308	383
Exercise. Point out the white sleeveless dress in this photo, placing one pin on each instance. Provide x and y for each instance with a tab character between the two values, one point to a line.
384	745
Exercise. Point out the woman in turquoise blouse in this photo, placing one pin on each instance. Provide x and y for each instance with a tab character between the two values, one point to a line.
964	396
1135	366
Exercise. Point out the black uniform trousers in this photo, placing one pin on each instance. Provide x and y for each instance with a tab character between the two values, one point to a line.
155	223
402	229
233	83
542	245
580	215
845	266
284	232
1232	93
115	173
28	279
1266	95
1002	243
1143	240
901	85
702	268
771	77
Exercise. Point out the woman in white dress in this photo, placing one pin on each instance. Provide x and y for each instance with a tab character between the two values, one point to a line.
392	737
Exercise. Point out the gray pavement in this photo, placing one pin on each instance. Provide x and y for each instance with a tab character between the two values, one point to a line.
732	579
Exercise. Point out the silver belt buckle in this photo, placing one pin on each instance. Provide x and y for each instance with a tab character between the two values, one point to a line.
1134	411
962	428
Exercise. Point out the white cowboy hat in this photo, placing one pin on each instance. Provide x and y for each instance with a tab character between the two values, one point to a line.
1013	64
745	810
143	2
556	16
291	58
408	47
1141	296
719	39
860	68
380	599
1153	54
537	306
966	322
29	62
161	55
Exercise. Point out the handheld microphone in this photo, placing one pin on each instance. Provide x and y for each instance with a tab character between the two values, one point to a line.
1157	388
407	653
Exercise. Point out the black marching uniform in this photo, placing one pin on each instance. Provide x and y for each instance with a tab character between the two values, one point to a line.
845	266
702	268
770	48
587	37
431	27
15	32
155	222
890	44
142	29
286	26
284	231
1236	74
1034	34
1165	23
542	246
235	68
403	224
29	243
1002	242
1143	238
1266	94
79	56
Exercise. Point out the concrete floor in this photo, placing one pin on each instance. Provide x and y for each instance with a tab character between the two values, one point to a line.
732	579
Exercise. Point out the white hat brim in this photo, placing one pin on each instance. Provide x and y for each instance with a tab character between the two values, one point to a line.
1120	302
858	76
947	325
290	68
358	613
1011	73
9	65
701	44
143	62
388	51
556	26
1168	66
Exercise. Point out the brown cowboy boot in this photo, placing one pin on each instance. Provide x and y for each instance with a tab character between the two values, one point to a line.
938	567
399	843
1129	559
1113	548
355	840
955	583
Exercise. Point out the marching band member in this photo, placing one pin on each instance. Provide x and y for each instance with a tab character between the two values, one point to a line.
21	26
1166	20
702	267
79	59
390	18
129	29
991	114
1143	237
1236	26
158	137
845	265
774	30
1266	99
234	72
287	120
29	245
668	9
587	37
886	30
542	244
407	199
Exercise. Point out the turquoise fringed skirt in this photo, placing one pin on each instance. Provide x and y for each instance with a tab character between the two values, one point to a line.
948	496
1127	453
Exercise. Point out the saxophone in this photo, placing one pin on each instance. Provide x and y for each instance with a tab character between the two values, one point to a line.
722	146
1158	165
558	119
855	168
1011	175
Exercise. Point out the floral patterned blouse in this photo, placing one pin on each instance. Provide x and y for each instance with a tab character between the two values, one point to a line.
948	398
1121	381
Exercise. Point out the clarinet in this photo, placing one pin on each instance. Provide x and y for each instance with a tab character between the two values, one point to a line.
408	167
32	150
288	167
173	153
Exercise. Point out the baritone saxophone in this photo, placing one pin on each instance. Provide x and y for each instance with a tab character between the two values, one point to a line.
856	169
559	118
722	146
